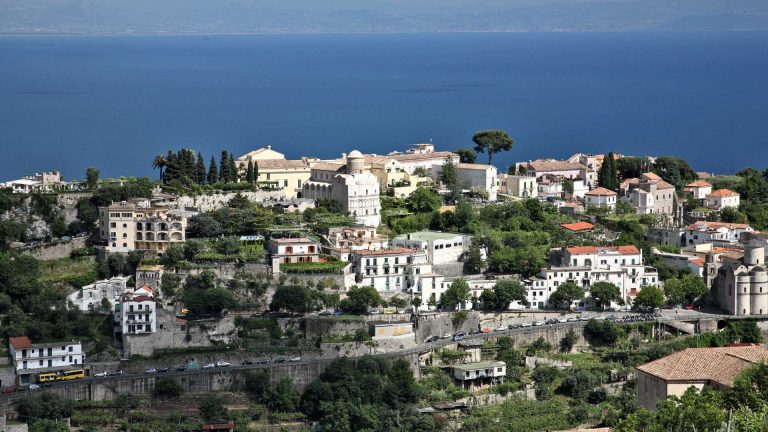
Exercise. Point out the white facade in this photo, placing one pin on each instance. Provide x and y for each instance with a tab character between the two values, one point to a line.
39	182
699	189
351	185
43	357
385	270
601	197
722	198
550	186
474	176
423	282
717	233
138	314
441	248
89	298
585	265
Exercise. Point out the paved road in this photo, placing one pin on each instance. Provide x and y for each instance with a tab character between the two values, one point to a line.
667	315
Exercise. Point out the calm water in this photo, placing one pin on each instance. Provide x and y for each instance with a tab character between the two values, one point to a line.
70	102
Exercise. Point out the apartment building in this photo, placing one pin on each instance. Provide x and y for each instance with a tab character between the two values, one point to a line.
136	225
138	312
91	297
441	248
30	359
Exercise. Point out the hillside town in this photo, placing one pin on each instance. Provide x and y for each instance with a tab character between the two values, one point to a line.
417	290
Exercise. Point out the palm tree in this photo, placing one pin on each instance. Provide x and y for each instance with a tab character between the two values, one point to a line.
159	162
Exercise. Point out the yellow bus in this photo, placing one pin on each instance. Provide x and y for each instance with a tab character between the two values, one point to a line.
61	375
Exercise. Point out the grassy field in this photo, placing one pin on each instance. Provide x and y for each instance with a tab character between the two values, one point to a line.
68	272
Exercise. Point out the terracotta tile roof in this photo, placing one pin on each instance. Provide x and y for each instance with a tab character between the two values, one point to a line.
713	226
719	365
601	191
20	342
327	166
722	193
578	226
651	176
281	163
699	262
381	252
555	165
584	250
698	184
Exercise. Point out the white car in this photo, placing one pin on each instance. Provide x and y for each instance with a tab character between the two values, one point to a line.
562	320
295	359
100	374
33	387
525	324
539	323
502	328
222	363
209	366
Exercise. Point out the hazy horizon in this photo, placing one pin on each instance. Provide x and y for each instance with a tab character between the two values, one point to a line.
27	17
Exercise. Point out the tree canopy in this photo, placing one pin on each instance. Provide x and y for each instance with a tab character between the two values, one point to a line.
492	142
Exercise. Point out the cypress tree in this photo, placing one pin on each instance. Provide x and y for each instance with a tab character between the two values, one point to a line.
171	167
255	172
200	168
233	171
607	177
249	173
213	173
224	167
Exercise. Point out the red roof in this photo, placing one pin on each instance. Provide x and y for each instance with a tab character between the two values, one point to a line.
20	342
578	226
601	191
584	250
698	183
721	193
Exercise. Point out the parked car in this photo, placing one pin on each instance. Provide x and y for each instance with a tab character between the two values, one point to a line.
100	374
150	371
11	389
209	366
116	373
281	360
181	369
538	323
525	324
33	387
246	362
325	313
562	320
432	339
485	330
502	328
263	361
162	370
572	319
222	363
446	336
459	336
295	359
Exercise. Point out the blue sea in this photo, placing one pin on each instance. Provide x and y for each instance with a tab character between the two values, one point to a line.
67	103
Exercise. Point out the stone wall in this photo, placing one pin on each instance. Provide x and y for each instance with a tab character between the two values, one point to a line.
171	333
449	270
55	250
7	376
217	200
315	327
68	204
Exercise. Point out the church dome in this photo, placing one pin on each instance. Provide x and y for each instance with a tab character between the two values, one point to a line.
354	154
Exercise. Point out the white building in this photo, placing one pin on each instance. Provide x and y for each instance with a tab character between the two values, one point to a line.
699	189
717	233
441	248
350	184
423	282
90	297
30	359
476	376
292	250
385	270
138	314
585	265
344	240
601	197
722	198
549	186
136	225
39	182
523	187
422	156
650	195
474	176
569	170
